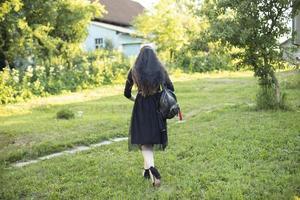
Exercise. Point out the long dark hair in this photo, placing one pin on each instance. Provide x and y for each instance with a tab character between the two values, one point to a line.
148	73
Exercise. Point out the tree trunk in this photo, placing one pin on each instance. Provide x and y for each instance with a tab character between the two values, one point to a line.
277	88
171	54
3	61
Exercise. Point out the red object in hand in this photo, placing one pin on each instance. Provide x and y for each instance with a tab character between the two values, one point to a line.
180	115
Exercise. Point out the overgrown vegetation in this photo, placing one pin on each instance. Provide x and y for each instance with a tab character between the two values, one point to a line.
41	49
45	56
230	35
210	57
33	32
57	75
182	38
254	27
265	99
169	25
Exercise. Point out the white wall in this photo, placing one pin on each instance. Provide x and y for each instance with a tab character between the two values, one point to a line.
121	41
99	32
291	52
297	29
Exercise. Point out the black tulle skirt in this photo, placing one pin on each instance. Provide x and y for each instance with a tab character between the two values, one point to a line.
147	125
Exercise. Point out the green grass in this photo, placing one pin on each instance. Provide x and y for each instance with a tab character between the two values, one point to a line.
40	132
225	149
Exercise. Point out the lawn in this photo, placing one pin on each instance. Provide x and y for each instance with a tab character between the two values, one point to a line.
225	148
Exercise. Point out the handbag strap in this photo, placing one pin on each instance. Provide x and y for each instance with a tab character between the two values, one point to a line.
163	85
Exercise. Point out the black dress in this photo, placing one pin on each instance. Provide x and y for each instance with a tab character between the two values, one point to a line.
147	125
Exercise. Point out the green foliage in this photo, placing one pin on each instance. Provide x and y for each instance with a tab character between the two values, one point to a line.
214	58
255	27
83	70
12	88
266	99
7	92
65	114
31	31
181	37
168	25
107	65
42	41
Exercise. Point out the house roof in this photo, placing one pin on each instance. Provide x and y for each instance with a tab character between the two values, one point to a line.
120	12
119	29
286	42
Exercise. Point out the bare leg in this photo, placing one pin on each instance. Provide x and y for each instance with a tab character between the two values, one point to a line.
147	151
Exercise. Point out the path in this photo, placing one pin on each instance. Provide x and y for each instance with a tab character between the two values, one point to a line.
69	151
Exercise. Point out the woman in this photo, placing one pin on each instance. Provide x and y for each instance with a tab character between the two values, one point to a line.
148	129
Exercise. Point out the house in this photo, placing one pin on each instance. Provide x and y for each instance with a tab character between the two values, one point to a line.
114	29
291	46
291	52
296	30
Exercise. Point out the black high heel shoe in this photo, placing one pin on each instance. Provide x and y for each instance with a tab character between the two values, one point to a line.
155	176
146	174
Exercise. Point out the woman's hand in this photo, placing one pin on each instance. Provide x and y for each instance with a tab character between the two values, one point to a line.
132	98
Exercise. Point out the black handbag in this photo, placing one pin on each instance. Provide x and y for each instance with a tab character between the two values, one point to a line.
168	105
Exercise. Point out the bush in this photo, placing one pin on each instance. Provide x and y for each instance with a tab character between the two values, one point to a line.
266	99
65	114
77	71
204	62
213	58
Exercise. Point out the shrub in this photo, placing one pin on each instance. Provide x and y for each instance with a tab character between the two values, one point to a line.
77	71
65	114
204	62
203	56
266	99
10	87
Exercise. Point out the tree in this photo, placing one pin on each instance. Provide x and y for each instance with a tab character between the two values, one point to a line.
9	21
32	30
254	26
168	25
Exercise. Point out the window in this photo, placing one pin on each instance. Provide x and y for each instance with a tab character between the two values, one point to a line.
99	43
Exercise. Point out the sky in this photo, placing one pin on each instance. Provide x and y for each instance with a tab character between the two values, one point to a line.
147	3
